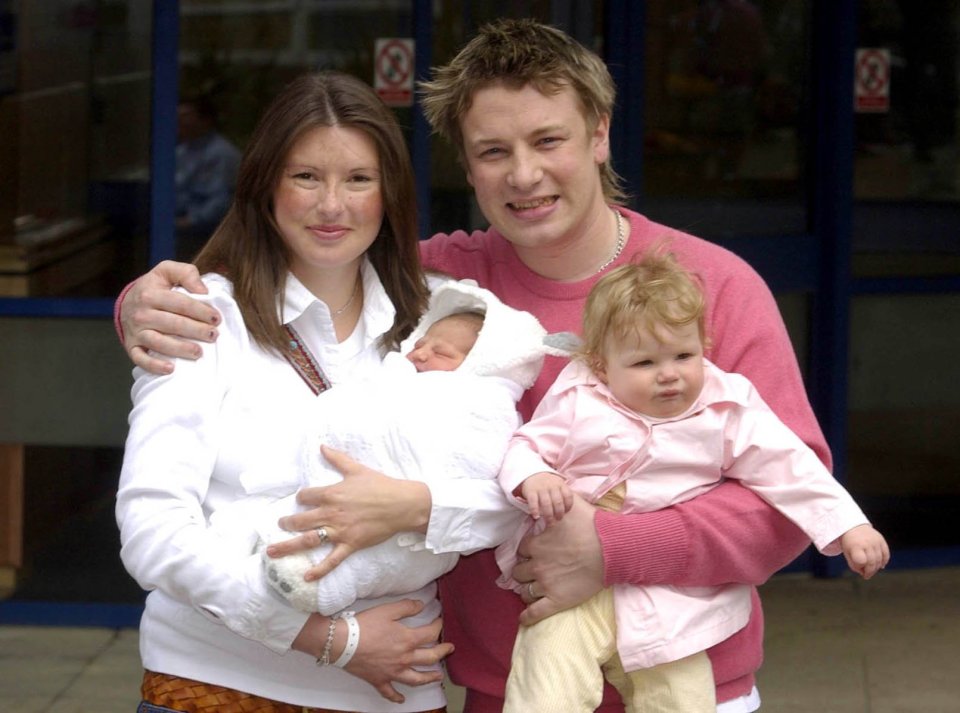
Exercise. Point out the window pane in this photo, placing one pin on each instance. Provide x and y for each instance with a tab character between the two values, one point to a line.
904	398
725	82
75	121
70	538
907	162
238	54
904	411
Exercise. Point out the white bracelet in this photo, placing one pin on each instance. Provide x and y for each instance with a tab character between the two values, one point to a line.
353	638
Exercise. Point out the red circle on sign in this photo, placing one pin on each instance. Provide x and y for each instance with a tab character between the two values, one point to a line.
394	63
872	72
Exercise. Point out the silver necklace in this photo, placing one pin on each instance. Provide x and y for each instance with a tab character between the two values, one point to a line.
356	289
620	242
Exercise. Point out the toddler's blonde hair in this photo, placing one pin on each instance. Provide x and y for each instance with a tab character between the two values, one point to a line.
651	292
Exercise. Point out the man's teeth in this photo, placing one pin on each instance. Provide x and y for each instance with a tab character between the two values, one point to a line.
526	205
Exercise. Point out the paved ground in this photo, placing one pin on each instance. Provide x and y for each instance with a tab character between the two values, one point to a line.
891	645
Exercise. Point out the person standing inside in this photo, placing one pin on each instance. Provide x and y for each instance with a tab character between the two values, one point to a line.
206	174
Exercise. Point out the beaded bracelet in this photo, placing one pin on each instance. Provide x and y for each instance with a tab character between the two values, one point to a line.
353	638
324	659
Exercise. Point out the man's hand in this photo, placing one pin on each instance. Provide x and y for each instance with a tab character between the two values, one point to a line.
389	652
154	319
563	565
363	510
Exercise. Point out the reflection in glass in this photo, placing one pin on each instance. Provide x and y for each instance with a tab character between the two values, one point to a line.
910	151
907	160
206	173
904	411
74	116
724	86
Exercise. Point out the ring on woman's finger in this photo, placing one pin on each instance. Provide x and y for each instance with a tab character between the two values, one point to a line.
530	592
322	534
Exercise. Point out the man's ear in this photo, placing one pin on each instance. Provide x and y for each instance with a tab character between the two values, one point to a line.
601	140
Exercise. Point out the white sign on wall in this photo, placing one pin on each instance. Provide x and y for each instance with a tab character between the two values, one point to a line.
393	70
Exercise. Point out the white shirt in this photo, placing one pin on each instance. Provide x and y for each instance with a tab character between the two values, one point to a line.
210	616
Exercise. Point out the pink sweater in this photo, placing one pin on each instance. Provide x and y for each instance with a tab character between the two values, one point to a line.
728	535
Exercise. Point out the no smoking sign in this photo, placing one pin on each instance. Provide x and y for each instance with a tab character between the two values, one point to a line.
872	80
393	71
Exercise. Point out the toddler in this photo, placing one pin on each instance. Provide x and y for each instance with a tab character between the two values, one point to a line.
639	421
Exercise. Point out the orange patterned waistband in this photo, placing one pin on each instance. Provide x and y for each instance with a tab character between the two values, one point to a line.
182	694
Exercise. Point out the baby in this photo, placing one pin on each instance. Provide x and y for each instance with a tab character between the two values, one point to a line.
444	410
446	342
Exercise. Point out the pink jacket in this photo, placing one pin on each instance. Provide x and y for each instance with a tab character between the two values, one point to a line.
580	431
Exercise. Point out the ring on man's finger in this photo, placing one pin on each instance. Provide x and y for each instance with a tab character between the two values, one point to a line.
530	591
322	534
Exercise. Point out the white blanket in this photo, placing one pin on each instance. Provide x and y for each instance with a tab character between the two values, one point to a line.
418	426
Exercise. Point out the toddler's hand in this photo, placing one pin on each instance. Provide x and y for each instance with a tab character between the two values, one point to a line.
865	550
548	496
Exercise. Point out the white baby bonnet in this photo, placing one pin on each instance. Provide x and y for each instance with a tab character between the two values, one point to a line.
511	343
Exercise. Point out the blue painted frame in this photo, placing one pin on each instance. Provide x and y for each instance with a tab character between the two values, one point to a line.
830	215
111	616
163	131
625	49
420	153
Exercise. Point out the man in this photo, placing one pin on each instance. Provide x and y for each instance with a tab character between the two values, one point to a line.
529	110
206	175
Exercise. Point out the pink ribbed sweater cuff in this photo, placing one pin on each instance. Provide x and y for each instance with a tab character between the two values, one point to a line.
651	548
116	310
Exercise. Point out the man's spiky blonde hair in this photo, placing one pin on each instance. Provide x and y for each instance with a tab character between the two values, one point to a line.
516	53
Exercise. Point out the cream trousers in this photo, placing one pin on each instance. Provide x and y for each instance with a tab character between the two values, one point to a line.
559	664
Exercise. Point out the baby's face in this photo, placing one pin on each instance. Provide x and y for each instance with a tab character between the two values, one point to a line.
658	373
445	344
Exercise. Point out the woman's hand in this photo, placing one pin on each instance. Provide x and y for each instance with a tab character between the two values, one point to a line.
389	652
561	566
155	319
363	510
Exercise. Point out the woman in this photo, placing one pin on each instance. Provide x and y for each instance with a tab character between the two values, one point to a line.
316	273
